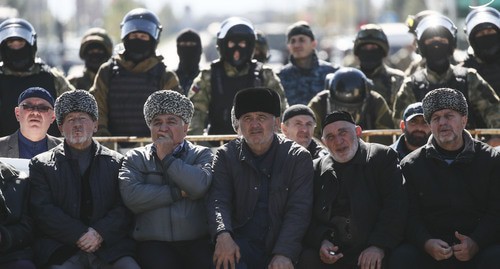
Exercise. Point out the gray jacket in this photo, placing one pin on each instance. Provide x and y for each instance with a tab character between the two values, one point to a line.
151	188
9	145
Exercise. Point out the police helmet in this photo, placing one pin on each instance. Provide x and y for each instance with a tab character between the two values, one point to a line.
481	18
262	47
371	33
348	87
20	28
96	35
413	20
436	25
236	28
141	20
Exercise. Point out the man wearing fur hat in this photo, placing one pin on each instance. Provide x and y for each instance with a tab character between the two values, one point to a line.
75	198
259	204
453	189
164	184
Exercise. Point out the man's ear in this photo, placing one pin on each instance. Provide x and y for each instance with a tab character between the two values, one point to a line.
359	131
402	125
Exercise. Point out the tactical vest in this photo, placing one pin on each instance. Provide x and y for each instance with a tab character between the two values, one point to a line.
421	86
126	97
10	89
490	72
224	88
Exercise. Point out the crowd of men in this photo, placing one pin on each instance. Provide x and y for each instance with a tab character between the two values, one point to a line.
297	188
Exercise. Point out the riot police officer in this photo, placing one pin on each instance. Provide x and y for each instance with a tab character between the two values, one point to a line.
189	50
436	35
96	48
22	69
213	91
261	52
123	84
350	90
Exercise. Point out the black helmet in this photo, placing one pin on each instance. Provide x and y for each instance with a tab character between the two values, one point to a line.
436	25
141	20
262	47
412	21
348	88
371	33
16	27
236	28
96	35
481	18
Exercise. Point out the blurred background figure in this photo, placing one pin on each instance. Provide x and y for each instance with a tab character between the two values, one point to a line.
189	50
371	48
261	52
95	49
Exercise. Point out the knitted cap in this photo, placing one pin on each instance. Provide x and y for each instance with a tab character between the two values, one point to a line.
168	102
257	100
443	98
296	110
75	101
337	116
36	92
299	28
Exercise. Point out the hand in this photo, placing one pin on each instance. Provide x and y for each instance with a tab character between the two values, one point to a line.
466	249
325	252
280	262
227	252
371	258
90	241
164	145
438	249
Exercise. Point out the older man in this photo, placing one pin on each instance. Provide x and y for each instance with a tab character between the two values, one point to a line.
298	125
164	184
35	114
75	199
259	204
454	193
359	211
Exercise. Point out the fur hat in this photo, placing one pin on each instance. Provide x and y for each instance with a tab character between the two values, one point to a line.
443	98
257	100
296	110
36	92
75	101
168	102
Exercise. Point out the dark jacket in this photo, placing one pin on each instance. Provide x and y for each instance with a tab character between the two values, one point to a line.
463	196
56	197
378	203
316	149
9	145
400	147
16	227
232	197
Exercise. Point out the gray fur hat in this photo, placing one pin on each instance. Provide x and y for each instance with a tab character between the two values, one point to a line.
168	102
443	98
75	101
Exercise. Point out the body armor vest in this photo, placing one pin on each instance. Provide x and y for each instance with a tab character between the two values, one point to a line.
489	72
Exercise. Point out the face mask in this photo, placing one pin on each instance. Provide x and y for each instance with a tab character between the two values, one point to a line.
437	55
189	58
369	60
487	47
18	60
94	60
245	54
137	50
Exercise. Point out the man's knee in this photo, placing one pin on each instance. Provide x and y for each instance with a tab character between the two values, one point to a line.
404	256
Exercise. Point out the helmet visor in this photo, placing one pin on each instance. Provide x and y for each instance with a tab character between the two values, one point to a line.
480	17
19	32
140	25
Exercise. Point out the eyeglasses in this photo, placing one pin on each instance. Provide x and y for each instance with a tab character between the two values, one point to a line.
39	108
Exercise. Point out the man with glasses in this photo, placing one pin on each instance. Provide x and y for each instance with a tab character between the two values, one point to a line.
35	114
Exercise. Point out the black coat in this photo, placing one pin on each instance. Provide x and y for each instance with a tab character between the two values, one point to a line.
55	203
378	202
16	227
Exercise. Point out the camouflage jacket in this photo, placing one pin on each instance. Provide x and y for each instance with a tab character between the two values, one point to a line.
484	104
82	80
201	91
387	82
301	85
100	89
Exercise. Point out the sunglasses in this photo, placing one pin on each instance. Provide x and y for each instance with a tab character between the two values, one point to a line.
39	108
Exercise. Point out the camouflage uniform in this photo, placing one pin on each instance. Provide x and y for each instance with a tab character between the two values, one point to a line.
168	81
484	106
83	80
387	82
201	92
301	85
375	113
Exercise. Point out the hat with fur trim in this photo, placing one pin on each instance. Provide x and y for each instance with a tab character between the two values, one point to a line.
443	98
168	102
257	100
75	101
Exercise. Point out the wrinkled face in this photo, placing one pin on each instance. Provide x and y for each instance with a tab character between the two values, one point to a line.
34	114
446	127
416	131
300	129
257	128
301	46
77	129
341	139
168	125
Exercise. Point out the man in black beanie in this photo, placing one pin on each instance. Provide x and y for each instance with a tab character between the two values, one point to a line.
259	204
189	50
